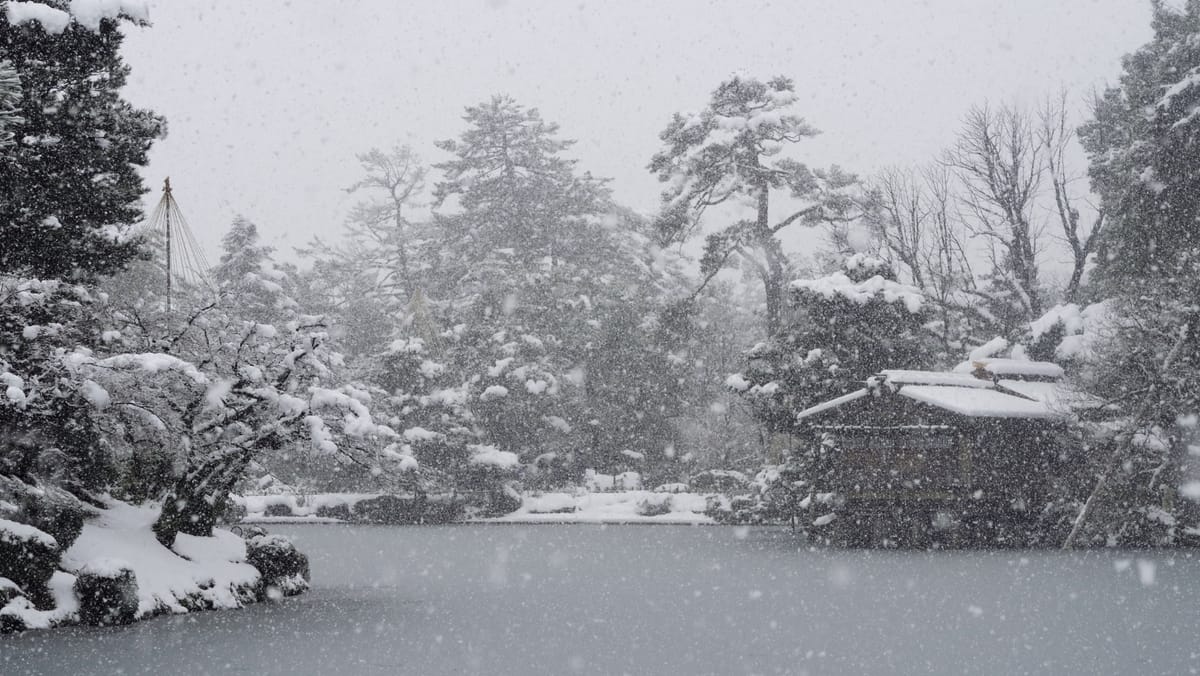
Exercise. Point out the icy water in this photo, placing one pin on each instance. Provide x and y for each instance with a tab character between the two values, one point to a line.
481	599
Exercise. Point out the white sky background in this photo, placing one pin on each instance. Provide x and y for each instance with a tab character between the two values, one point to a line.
268	102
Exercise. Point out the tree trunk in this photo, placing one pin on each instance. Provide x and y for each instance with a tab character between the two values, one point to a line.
773	281
200	495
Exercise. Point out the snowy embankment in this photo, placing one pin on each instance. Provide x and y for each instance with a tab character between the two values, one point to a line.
200	573
295	508
616	507
579	506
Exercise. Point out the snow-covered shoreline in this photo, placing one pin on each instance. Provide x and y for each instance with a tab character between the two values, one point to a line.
198	573
578	506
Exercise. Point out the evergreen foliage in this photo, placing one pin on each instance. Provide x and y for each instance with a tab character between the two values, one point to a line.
845	328
69	186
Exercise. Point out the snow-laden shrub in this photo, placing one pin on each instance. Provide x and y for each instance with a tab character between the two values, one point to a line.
11	593
108	593
550	503
389	509
503	501
655	505
339	511
718	481
9	590
49	509
443	508
284	568
28	557
278	509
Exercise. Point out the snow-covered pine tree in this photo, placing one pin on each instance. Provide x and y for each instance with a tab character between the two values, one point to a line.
513	186
384	259
1143	148
731	153
70	186
69	190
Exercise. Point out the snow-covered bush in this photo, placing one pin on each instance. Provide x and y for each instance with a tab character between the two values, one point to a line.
108	593
284	569
718	481
10	593
390	509
278	509
46	508
654	505
339	511
28	557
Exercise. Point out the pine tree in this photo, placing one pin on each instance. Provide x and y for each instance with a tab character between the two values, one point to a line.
1143	154
1142	146
556	300
731	154
70	185
515	190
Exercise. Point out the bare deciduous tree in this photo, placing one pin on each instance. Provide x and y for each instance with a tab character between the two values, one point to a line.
913	217
1056	137
992	204
999	165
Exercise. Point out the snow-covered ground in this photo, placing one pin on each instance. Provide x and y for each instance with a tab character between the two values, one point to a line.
202	572
303	508
615	507
580	506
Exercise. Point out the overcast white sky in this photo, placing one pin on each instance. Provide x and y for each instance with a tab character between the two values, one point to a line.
268	101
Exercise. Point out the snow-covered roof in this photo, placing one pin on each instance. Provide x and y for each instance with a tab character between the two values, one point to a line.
832	403
964	394
1012	367
903	377
978	403
1056	395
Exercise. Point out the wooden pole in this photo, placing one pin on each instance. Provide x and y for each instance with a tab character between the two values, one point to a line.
167	214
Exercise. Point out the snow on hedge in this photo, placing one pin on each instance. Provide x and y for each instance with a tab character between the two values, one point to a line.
66	604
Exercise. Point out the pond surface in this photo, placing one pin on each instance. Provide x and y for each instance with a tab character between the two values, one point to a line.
480	599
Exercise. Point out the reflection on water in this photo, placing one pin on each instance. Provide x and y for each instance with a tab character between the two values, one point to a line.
654	600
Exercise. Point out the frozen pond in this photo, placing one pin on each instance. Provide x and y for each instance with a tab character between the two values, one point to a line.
661	600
